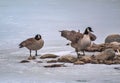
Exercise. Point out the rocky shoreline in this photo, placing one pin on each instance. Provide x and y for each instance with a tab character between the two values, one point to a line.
107	57
108	54
103	46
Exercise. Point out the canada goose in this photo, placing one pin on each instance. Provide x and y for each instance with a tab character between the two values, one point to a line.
78	40
35	43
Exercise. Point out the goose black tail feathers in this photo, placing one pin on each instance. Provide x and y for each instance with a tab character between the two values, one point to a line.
20	45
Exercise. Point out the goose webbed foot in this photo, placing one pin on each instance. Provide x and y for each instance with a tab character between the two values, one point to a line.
36	53
78	55
83	53
67	44
31	58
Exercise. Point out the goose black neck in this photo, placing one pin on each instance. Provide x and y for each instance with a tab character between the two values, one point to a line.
86	31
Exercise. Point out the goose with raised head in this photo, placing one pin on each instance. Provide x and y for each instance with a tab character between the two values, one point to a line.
35	43
79	41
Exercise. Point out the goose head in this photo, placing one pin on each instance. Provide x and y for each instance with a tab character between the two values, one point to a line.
87	30
38	37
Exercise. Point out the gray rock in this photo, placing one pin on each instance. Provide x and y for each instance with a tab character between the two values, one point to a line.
39	61
112	38
117	68
108	54
94	61
48	56
52	61
86	59
103	46
54	65
110	62
31	57
67	58
24	61
78	62
116	61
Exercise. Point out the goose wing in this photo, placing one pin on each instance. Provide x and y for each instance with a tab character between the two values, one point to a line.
27	42
73	36
92	37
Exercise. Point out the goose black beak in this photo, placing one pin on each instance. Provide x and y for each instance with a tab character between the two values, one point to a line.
92	31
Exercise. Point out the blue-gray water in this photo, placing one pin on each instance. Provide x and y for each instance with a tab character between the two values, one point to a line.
21	19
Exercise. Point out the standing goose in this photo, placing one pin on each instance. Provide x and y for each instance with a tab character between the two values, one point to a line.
78	40
35	43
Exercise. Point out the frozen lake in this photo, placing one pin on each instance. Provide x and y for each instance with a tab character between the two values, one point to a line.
12	71
21	19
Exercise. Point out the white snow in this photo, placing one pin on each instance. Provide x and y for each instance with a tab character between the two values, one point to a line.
12	71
